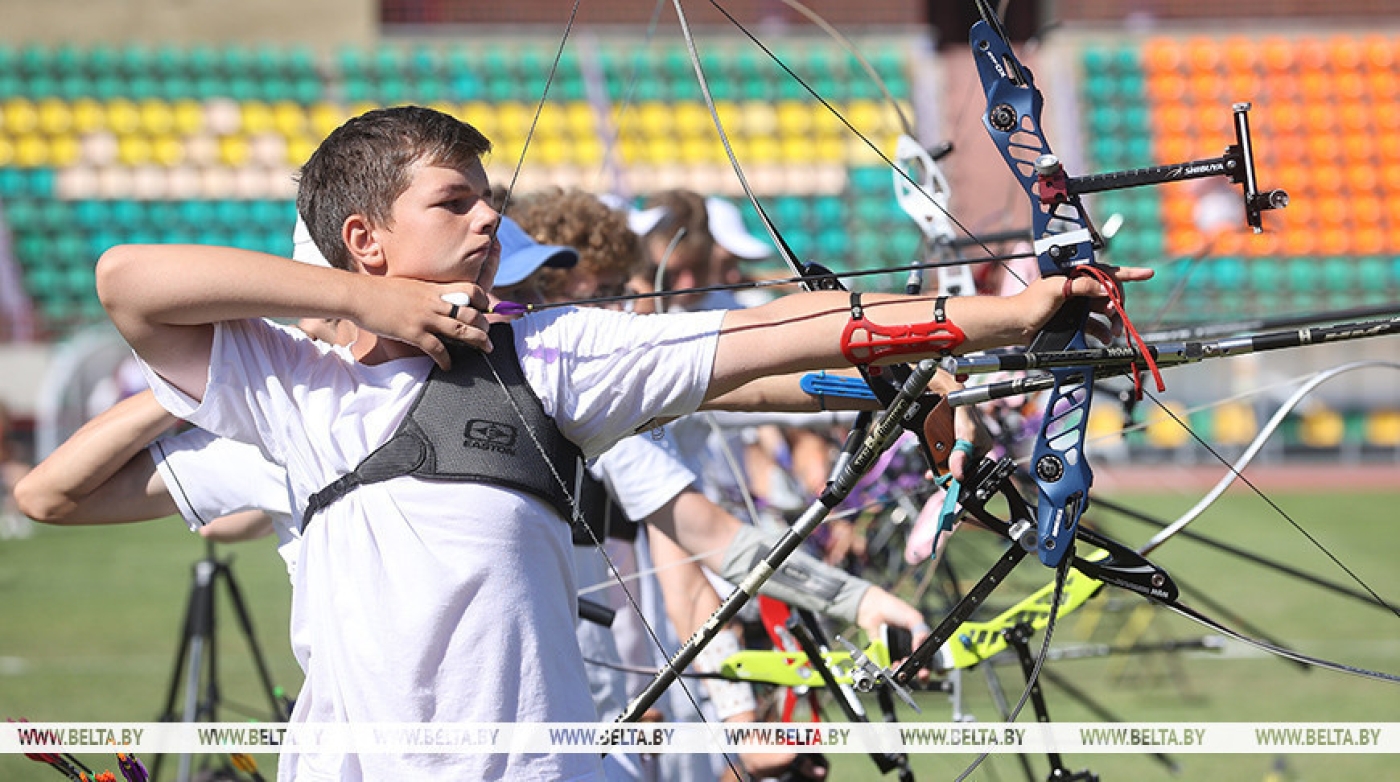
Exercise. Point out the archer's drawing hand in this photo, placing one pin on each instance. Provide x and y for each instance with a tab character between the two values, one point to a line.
421	313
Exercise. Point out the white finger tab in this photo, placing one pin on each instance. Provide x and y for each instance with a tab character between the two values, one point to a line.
457	298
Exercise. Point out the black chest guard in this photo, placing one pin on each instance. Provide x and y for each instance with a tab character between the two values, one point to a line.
462	428
602	515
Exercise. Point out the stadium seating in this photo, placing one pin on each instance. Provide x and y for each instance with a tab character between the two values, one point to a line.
104	144
1318	133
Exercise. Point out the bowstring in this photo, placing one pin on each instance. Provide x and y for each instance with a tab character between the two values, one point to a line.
899	170
575	510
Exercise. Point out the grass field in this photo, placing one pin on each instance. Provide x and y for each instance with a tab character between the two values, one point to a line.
90	620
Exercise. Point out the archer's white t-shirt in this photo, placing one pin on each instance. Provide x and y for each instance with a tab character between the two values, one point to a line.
432	601
210	476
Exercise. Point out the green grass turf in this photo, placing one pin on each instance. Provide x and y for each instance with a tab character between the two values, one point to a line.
90	620
1237	685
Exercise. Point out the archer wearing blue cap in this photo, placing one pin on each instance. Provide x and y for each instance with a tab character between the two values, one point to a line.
521	256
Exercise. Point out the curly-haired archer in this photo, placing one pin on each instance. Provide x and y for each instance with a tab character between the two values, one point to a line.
609	253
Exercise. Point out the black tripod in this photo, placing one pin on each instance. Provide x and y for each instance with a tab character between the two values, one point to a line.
196	663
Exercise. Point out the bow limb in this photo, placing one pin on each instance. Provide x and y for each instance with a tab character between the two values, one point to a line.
1236	470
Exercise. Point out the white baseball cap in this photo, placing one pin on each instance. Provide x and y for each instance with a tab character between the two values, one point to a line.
303	248
727	228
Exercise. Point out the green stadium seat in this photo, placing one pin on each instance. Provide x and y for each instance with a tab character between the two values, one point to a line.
1128	60
789	211
1339	274
833	242
869	180
35	60
1228	276
135	60
39	182
388	61
202	61
1099	87
800	242
903	245
1304	276
169	61
128	215
41	86
67	60
1372	275
101	241
273	214
70	249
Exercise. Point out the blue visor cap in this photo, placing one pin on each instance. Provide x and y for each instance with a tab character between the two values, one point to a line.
521	255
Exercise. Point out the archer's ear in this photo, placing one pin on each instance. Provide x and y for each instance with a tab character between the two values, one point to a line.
362	241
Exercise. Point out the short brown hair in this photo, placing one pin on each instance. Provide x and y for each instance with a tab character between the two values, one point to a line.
363	166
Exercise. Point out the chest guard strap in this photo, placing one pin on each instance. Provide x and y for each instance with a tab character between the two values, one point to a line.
462	429
602	515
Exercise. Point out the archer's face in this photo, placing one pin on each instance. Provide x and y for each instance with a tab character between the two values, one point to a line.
442	228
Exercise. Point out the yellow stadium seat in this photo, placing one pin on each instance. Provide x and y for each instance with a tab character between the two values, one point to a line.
157	118
55	116
693	150
88	115
654	118
588	151
257	117
123	117
64	150
763	149
864	116
234	150
758	119
1163	431
18	116
581	119
693	120
167	150
830	149
797	149
553	122
287	118
299	149
31	151
858	154
795	118
7	151
480	115
1322	427
547	152
1235	424
1104	434
133	150
326	117
629	150
1383	428
189	117
513	119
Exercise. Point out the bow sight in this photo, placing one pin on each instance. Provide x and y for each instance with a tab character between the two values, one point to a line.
1237	164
